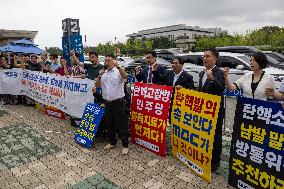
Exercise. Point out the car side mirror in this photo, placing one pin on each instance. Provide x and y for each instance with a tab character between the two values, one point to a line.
240	67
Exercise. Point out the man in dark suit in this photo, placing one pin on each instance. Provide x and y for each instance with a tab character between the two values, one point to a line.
151	73
212	81
178	77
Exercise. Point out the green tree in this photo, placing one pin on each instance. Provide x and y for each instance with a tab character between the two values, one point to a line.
54	50
163	43
90	48
266	38
148	44
130	46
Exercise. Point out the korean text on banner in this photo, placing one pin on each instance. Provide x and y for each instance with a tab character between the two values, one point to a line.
257	151
69	95
89	125
149	114
193	122
54	112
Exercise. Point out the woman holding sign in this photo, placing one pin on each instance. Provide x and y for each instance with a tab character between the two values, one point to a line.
253	83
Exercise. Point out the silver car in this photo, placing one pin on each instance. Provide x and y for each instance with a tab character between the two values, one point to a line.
239	64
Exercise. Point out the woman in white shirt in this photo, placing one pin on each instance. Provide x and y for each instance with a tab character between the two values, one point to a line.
253	83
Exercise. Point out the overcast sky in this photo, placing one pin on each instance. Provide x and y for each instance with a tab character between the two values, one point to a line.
102	20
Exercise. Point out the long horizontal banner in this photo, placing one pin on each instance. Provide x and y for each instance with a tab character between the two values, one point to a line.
69	95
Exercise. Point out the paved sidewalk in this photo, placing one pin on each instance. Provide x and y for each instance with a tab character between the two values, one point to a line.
38	151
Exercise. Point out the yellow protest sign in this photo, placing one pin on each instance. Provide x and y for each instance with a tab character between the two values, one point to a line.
193	122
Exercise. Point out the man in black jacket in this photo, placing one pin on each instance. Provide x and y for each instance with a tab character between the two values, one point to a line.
212	81
178	77
34	65
151	73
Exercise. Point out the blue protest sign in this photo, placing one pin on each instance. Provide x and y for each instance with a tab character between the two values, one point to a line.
71	40
257	150
89	125
75	44
235	93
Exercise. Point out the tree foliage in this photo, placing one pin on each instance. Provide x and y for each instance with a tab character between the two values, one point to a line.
54	50
266	38
132	47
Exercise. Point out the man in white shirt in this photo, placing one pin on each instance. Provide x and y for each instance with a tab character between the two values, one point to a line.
112	84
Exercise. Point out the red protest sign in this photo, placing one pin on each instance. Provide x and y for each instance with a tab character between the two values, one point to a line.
51	111
149	113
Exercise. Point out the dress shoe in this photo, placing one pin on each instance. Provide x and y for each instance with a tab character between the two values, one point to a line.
124	151
109	146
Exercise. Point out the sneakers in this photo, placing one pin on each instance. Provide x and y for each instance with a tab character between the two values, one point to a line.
109	146
124	151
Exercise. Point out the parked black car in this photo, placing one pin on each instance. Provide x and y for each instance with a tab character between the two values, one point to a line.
130	67
167	54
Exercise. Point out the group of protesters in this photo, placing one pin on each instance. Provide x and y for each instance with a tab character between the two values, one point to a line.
111	78
213	80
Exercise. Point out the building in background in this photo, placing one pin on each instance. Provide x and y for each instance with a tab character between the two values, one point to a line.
184	36
7	36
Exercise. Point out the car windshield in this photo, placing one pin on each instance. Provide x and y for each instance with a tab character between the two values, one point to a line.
245	58
101	58
162	61
272	60
276	56
127	59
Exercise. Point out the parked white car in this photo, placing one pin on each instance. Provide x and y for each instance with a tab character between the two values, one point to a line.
101	59
239	64
123	60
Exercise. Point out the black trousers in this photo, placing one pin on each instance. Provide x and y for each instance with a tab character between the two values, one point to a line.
22	99
116	121
101	132
217	145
